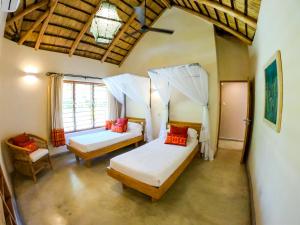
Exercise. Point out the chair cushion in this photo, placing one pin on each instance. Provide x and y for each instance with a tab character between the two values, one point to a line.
30	146
20	139
36	155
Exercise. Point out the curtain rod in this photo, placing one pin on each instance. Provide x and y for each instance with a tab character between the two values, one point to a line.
191	64
73	75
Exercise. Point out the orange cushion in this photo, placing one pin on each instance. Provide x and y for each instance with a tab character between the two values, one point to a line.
179	130
108	124
117	128
20	139
174	139
30	145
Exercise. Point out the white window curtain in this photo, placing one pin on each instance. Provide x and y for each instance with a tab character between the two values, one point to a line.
56	109
134	87
192	81
116	92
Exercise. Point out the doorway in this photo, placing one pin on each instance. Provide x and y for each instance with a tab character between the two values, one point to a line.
234	115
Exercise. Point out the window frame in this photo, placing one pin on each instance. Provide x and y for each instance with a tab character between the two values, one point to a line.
93	104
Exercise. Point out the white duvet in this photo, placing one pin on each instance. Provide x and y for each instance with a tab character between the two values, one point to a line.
154	162
93	141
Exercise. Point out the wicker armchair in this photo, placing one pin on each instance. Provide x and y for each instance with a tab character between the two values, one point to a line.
30	164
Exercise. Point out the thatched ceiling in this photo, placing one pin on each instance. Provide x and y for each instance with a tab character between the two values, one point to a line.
63	25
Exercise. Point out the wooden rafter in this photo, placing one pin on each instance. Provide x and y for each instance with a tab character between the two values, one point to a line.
238	15
52	5
34	26
120	33
26	11
166	3
218	24
69	28
21	19
84	29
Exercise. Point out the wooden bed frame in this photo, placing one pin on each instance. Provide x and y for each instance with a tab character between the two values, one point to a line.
157	192
88	156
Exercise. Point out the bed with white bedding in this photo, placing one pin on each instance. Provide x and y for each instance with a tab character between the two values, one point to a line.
93	145
101	139
153	162
154	167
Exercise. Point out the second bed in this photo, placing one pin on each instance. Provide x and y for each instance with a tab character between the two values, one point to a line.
155	166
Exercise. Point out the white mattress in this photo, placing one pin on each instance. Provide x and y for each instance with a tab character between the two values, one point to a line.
94	141
154	162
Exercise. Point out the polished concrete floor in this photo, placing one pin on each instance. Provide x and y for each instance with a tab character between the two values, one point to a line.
207	193
232	145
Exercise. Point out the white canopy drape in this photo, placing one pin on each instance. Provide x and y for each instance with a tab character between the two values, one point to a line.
134	87
162	86
192	81
114	89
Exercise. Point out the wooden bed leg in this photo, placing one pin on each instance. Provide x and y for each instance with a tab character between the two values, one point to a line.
77	159
136	144
88	163
124	186
154	199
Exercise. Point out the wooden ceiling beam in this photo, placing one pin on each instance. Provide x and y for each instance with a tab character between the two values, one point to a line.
218	24
52	5
26	11
120	33
34	26
238	15
167	3
84	29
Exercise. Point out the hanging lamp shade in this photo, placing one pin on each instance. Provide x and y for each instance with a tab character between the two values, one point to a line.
106	23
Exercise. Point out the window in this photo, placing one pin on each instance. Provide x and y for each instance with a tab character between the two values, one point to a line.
85	105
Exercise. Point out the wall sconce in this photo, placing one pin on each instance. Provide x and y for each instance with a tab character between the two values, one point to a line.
30	79
31	69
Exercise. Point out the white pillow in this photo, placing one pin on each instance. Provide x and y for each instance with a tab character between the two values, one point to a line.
192	133
131	126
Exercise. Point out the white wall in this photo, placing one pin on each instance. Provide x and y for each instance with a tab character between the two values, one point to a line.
233	58
233	110
193	41
275	157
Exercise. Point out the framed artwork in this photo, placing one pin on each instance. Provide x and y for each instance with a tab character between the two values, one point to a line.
273	92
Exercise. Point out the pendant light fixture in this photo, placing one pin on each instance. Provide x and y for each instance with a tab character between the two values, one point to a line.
106	23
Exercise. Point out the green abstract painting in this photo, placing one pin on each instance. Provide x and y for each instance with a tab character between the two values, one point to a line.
273	92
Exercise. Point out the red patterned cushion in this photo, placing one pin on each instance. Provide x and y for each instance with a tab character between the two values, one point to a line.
122	122
179	130
117	128
174	139
20	139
